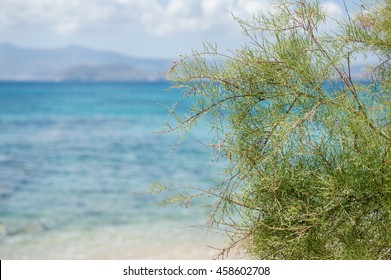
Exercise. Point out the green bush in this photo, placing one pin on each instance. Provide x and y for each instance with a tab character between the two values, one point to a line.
306	144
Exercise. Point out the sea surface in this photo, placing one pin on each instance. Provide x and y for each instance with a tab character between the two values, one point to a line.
75	160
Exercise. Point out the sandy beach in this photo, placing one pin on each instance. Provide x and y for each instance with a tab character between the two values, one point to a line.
116	243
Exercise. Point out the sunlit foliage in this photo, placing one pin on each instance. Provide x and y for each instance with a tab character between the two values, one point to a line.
306	143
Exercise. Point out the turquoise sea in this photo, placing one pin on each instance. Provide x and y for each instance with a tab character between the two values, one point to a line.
75	159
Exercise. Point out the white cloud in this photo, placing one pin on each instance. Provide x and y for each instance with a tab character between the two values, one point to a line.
157	17
62	16
251	7
217	7
332	9
184	9
202	15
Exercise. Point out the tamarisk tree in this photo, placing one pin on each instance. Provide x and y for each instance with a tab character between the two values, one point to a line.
306	142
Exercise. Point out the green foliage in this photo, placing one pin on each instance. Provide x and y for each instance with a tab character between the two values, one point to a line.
306	146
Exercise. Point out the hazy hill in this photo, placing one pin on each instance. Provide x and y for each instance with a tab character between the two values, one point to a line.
75	63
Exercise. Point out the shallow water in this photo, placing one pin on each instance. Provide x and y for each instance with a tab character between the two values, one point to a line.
74	159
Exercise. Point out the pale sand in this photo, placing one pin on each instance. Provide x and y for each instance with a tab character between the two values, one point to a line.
119	243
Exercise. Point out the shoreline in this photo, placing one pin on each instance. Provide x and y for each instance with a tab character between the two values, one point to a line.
115	243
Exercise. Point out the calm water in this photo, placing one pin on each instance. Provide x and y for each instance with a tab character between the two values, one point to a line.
72	157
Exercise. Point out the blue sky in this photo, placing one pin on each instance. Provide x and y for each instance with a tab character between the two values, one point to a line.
142	28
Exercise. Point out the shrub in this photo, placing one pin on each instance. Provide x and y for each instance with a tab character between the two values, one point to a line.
306	144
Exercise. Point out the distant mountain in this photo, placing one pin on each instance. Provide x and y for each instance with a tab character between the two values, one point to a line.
75	63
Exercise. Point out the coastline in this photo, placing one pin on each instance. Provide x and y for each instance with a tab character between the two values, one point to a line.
115	243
